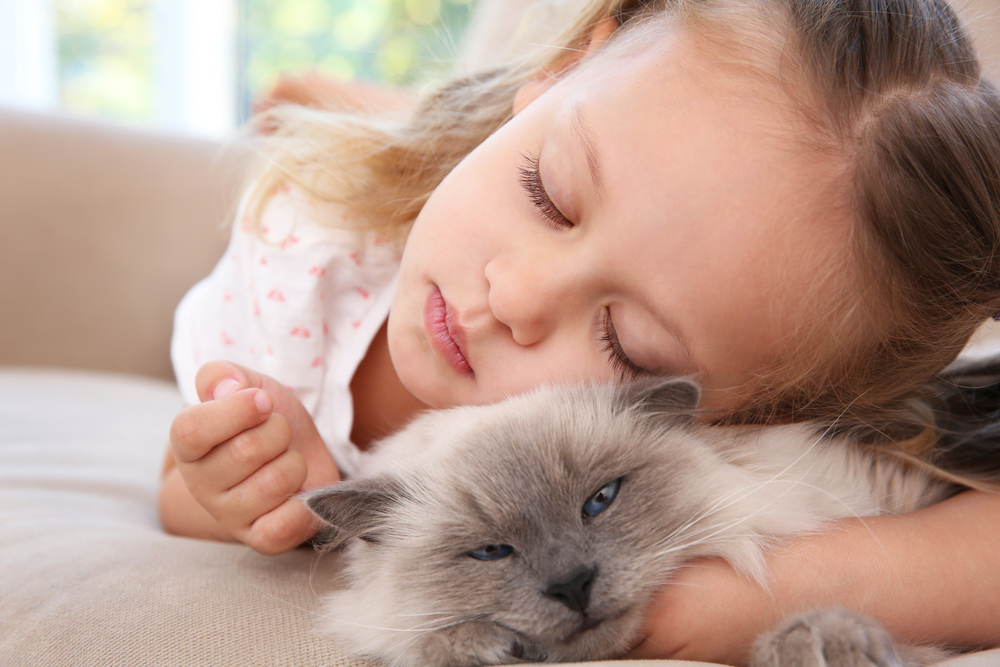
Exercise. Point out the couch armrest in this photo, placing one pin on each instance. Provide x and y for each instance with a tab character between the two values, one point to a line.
103	230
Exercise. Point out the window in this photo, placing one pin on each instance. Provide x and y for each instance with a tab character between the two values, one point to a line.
194	66
393	41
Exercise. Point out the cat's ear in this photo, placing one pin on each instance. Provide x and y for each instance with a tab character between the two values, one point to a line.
673	396
356	507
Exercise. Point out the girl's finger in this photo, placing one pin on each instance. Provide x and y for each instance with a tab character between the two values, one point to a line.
235	460
218	379
267	488
282	529
197	429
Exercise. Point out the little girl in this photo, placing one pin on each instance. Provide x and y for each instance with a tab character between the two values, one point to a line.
793	201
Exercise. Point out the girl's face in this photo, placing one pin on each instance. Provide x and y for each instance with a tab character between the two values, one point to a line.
649	213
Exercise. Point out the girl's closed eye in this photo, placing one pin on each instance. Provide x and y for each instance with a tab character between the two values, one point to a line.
625	367
531	181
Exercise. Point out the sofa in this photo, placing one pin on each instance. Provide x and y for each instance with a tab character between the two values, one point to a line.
104	228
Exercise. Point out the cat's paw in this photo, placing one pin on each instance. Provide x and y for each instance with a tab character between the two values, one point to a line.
826	638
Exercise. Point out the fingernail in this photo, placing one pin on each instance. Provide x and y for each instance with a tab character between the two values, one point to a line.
224	388
263	402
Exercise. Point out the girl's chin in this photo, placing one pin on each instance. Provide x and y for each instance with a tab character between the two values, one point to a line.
426	387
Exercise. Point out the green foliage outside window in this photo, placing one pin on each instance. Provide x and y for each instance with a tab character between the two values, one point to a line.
106	53
107	48
393	41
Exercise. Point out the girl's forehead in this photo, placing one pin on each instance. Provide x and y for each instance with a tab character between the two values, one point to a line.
670	106
666	64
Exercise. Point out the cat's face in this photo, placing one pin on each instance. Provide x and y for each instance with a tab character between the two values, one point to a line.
521	530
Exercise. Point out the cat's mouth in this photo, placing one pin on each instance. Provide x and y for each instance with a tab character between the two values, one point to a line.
588	623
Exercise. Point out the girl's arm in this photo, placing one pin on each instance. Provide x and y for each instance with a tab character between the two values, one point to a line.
928	576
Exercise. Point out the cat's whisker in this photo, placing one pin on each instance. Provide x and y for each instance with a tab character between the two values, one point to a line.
406	642
547	45
683	583
749	491
715	539
727	500
417	629
722	529
720	534
427	613
313	568
723	503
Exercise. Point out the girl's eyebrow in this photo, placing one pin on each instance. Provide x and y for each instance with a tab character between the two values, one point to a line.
582	130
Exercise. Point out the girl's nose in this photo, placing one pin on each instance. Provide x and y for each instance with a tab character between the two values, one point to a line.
532	297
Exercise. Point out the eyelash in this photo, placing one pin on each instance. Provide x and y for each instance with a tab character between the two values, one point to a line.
531	181
626	369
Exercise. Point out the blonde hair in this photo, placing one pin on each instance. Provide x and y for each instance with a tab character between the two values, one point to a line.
893	86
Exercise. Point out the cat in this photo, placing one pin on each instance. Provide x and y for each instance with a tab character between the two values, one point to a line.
539	528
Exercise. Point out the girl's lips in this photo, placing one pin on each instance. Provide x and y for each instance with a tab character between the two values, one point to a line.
446	333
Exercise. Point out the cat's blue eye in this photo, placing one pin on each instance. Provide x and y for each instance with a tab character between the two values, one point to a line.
601	500
492	552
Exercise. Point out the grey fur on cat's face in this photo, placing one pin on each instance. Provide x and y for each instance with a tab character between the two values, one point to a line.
575	586
537	473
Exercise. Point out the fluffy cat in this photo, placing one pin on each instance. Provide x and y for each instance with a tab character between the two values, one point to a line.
538	529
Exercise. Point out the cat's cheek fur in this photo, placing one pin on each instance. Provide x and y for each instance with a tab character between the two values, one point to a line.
372	615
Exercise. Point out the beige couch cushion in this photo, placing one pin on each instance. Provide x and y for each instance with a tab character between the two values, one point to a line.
88	576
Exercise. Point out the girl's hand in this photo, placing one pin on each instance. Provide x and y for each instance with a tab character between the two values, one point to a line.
929	576
245	451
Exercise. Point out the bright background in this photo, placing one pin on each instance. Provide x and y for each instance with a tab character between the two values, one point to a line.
194	66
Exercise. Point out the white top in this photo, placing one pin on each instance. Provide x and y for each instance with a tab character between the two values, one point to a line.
297	301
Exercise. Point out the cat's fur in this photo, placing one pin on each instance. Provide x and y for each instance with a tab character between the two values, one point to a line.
519	473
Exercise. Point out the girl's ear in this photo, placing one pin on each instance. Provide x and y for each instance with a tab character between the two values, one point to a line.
530	91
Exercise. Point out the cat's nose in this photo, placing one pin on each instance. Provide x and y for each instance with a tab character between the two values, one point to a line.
574	593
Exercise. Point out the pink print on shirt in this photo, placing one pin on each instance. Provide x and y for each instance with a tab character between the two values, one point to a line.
298	300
